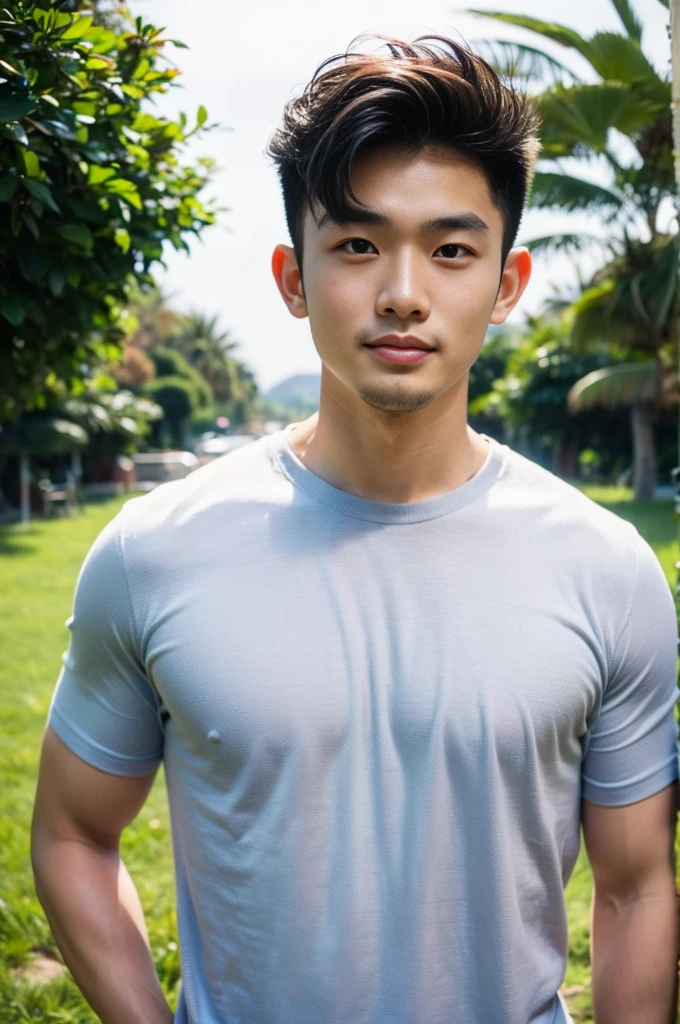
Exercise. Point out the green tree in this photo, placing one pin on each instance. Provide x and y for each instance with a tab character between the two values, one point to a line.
199	339
630	303
91	185
179	400
531	393
210	351
181	392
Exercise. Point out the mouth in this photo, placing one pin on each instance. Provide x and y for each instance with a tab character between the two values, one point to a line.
400	348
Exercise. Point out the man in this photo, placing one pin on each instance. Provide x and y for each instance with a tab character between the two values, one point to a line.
389	664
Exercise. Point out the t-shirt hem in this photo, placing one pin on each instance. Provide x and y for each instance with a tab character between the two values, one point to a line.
96	755
611	795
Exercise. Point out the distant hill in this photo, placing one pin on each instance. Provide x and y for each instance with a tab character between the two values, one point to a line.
301	390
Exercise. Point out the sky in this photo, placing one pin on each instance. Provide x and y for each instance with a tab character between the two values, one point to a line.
245	60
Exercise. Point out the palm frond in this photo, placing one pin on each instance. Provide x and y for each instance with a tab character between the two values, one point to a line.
649	294
618	58
616	386
631	22
585	114
567	243
551	190
519	61
592	322
549	30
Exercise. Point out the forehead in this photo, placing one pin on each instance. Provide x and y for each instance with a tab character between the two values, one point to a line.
411	188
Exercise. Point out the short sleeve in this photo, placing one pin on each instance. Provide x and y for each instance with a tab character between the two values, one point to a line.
104	708
632	751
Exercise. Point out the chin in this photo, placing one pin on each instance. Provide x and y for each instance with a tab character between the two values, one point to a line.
394	399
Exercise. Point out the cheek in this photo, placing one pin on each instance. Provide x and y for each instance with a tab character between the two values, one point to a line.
334	299
471	294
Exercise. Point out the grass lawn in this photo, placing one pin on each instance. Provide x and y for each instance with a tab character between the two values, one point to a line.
38	569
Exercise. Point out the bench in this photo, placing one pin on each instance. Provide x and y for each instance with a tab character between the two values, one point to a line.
58	499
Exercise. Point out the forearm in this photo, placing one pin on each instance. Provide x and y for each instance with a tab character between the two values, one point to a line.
98	923
633	950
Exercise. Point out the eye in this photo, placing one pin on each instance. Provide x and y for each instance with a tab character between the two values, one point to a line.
358	247
453	251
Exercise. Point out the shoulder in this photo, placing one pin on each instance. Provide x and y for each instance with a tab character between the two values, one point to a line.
182	529
557	510
244	475
594	558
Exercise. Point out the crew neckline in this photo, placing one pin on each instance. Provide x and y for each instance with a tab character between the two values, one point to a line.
385	511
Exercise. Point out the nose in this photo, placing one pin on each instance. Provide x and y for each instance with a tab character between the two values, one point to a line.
403	293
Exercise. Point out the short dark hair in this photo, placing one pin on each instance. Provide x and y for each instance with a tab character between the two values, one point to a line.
418	96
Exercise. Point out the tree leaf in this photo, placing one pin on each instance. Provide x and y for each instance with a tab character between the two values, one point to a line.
614	386
73	275
15	132
78	27
41	192
31	163
30	222
618	58
201	116
13	107
566	242
549	30
122	238
142	68
50	126
96	175
79	234
99	63
517	60
566	192
8	67
33	261
631	22
8	186
127	191
56	280
12	308
585	114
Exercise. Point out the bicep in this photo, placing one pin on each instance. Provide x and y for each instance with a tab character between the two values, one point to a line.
77	801
631	848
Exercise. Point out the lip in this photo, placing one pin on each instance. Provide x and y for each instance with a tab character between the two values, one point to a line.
409	341
400	348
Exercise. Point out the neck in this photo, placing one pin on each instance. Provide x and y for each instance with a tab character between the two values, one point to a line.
391	457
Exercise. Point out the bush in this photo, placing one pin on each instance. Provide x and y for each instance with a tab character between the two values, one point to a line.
91	186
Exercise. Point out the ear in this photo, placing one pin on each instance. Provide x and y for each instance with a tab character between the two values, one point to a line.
289	280
516	274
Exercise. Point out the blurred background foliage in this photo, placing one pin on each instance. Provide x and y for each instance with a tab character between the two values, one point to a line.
607	151
92	186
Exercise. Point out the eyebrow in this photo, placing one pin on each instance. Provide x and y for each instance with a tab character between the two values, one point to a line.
456	222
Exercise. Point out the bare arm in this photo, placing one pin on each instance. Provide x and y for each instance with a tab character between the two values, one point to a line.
634	932
85	889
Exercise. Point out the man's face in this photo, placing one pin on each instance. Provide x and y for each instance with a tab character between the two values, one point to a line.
425	263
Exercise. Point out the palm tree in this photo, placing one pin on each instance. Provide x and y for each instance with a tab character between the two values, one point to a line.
209	350
629	306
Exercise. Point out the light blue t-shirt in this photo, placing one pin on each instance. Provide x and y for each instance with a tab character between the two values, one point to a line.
377	723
